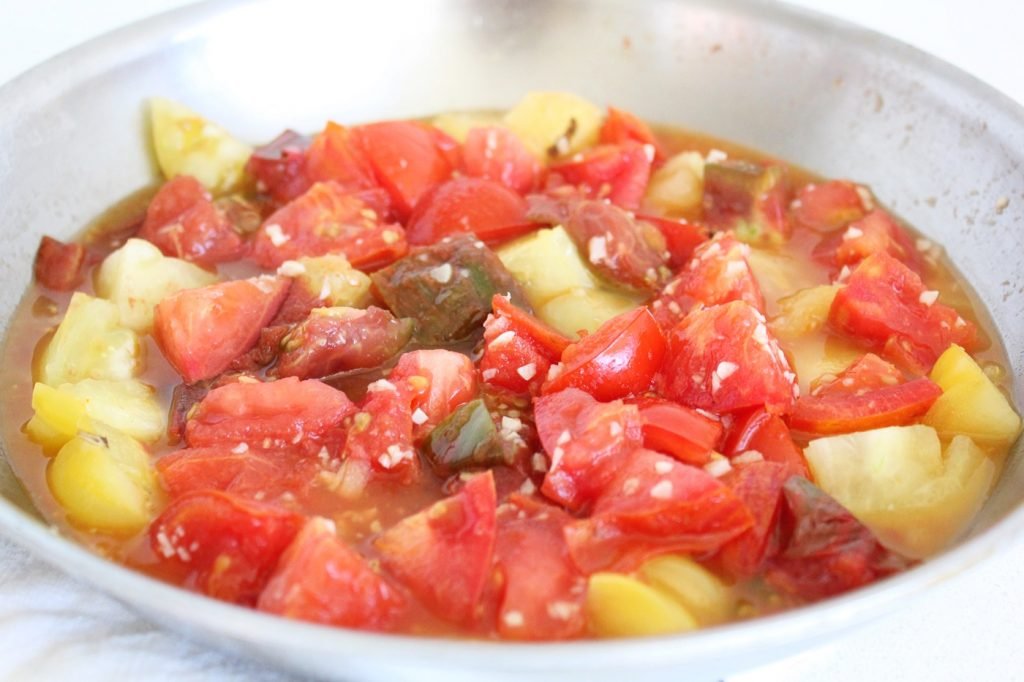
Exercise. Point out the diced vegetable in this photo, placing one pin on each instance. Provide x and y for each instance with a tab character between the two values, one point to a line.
699	590
679	431
333	280
458	125
779	275
138	276
748	198
803	312
678	186
620	606
104	480
440	381
866	409
58	417
546	264
830	205
90	343
486	208
970	403
128	405
496	154
58	265
188	144
615	173
581	309
467	439
554	124
279	167
900	484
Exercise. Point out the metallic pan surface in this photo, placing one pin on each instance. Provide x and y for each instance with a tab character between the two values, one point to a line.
939	147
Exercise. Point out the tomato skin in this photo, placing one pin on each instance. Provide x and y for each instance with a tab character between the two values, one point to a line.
407	158
551	342
873	233
222	545
202	331
757	429
280	166
873	409
868	373
586	441
825	551
724	359
619	173
682	237
381	433
620	358
681	432
59	266
444	553
495	153
332	155
621	126
517	363
655	505
182	221
450	382
617	246
252	474
718	273
534	571
827	206
299	415
485	208
328	219
321	579
759	486
750	198
882	304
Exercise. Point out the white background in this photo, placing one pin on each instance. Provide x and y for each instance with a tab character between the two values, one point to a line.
968	629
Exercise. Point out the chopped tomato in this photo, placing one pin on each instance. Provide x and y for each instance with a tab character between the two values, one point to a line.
280	166
519	349
678	431
825	550
586	441
201	331
718	273
441	381
407	157
872	409
619	359
335	340
264	352
767	434
59	266
333	156
885	301
444	553
653	506
251	473
621	126
724	359
302	415
541	590
182	221
552	343
874	233
222	545
866	374
485	208
681	237
495	153
381	432
328	219
617	246
321	579
618	172
748	198
759	486
829	205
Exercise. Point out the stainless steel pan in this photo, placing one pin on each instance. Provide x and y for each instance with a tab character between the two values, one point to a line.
942	149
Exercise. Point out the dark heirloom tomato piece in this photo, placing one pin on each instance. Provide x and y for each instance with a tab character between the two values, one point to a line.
381	433
767	434
266	349
447	288
439	381
587	443
333	156
328	219
830	205
202	331
876	232
872	409
541	592
279	166
824	550
468	439
617	246
621	126
302	415
682	237
679	431
749	199
655	505
444	553
321	579
335	340
718	273
619	173
495	153
251	473
519	349
724	359
222	545
182	221
759	486
59	266
620	358
485	208
407	158
884	301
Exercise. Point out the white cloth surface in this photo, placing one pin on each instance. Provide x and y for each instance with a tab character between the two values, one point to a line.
54	628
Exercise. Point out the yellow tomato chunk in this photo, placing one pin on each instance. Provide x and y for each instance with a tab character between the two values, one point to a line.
585	309
547	264
555	123
338	284
702	593
678	186
621	606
